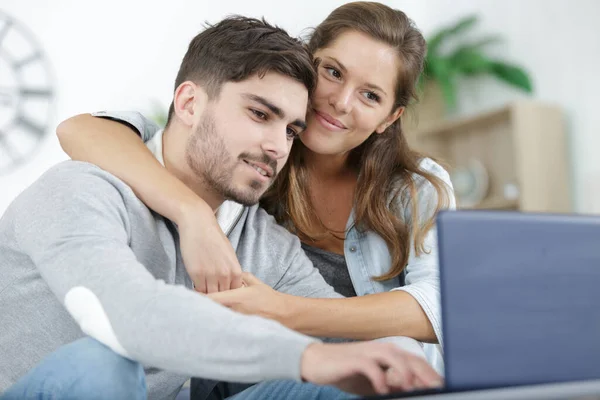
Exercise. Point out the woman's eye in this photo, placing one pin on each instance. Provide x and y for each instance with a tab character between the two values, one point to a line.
371	96
333	72
259	114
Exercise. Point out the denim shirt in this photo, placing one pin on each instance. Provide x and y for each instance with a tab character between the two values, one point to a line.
366	253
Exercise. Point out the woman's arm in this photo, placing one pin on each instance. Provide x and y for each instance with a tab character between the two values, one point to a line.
117	149
412	310
372	316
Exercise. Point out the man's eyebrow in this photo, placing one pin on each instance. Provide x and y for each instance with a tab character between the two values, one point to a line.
259	99
345	70
300	123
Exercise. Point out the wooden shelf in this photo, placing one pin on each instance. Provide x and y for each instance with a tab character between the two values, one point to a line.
497	203
455	126
522	144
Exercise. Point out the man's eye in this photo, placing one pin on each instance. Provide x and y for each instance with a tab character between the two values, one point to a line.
259	114
291	134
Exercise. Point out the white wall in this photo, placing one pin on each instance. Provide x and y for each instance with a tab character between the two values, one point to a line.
125	54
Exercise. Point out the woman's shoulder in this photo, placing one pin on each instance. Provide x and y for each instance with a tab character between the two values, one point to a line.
430	166
426	192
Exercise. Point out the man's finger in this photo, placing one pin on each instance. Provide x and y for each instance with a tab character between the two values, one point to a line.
399	379
375	375
250	279
200	285
236	282
224	284
212	285
398	370
419	384
424	372
417	365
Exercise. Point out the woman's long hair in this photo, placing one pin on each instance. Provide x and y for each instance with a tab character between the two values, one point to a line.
389	172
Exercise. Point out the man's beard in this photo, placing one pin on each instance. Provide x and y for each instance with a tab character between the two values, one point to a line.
207	156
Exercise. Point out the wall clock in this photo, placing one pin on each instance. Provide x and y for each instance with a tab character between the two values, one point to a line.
26	94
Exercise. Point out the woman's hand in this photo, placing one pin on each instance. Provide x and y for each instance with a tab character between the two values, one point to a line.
209	257
255	298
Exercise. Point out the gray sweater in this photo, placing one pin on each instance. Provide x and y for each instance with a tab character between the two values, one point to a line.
80	255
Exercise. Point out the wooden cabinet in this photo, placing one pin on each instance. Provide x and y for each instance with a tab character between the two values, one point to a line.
521	147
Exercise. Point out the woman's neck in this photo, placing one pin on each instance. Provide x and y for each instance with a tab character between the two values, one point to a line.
327	167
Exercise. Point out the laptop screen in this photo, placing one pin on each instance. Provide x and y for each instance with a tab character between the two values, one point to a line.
520	298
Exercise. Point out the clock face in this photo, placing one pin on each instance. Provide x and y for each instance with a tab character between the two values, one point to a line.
26	94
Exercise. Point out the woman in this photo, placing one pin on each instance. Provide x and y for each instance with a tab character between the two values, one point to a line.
362	203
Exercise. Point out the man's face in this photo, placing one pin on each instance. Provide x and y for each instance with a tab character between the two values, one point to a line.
243	137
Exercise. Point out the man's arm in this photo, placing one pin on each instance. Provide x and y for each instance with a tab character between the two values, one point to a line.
74	225
113	143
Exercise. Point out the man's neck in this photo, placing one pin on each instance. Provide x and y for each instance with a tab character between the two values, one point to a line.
174	154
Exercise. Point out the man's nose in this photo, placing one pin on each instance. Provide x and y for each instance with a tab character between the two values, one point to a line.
276	143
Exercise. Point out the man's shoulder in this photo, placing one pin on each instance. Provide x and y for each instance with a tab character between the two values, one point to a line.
74	186
253	226
71	168
258	218
79	175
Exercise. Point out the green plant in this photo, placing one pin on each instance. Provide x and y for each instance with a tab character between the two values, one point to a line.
467	59
159	114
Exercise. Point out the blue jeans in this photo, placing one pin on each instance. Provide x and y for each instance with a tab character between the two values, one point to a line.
291	390
84	369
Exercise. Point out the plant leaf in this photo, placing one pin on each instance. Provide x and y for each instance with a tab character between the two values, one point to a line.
463	24
447	84
484	42
470	62
512	75
438	38
439	67
476	45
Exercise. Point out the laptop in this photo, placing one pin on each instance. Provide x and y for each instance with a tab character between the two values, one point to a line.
520	299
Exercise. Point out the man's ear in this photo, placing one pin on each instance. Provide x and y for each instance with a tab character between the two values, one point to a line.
390	119
189	101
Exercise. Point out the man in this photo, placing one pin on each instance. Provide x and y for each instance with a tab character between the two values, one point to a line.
82	255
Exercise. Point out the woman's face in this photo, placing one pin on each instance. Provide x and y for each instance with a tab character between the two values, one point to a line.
354	95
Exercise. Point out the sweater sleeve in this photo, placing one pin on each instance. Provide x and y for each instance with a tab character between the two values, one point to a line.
74	223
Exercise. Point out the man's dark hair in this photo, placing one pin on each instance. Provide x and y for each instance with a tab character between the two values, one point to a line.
239	47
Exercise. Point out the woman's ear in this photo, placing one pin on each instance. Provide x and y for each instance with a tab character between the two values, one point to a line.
189	100
390	119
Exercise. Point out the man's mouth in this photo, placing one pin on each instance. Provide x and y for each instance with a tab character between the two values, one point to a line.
262	169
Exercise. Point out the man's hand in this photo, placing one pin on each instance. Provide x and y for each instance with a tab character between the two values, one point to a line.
256	298
367	368
209	257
